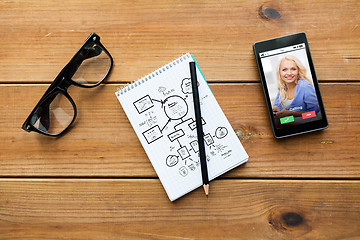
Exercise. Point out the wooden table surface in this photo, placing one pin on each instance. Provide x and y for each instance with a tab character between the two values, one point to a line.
96	181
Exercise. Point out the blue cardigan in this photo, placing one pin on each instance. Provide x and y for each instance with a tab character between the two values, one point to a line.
304	100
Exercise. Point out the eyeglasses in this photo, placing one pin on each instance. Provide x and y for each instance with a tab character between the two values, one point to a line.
56	111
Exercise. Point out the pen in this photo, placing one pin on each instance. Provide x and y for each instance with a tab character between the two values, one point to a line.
200	133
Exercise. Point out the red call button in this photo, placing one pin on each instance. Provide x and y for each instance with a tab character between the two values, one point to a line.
308	115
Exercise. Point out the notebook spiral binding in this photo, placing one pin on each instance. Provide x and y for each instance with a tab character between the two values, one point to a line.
134	84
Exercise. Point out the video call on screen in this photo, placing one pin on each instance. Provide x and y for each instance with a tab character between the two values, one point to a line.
290	86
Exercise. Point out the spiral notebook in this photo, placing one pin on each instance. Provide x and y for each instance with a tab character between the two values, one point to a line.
161	111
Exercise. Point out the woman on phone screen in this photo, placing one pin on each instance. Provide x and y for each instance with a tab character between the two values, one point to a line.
296	92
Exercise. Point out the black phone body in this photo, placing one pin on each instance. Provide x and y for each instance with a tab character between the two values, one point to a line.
290	86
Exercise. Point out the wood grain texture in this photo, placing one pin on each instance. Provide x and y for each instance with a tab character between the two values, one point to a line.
40	37
304	187
103	143
140	209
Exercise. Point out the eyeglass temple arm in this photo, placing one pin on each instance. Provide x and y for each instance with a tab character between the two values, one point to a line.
74	64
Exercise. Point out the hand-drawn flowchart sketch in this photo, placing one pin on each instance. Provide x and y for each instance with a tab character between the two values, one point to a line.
179	127
160	109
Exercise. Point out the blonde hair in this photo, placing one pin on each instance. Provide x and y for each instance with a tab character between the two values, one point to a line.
282	85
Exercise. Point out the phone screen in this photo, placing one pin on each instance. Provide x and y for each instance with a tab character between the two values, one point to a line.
290	86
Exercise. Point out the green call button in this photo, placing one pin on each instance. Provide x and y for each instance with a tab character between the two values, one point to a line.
287	119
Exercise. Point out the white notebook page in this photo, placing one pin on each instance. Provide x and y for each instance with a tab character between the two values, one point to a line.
161	111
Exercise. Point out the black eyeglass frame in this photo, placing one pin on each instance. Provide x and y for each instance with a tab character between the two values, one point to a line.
64	80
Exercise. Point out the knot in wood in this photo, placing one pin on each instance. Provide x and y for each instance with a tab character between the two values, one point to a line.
244	133
268	12
292	219
288	221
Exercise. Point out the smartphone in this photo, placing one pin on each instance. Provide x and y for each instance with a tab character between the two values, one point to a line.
290	86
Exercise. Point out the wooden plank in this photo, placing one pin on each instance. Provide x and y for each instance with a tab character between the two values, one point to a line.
131	209
40	37
103	143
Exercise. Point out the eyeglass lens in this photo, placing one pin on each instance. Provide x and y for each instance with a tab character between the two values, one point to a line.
94	67
54	115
